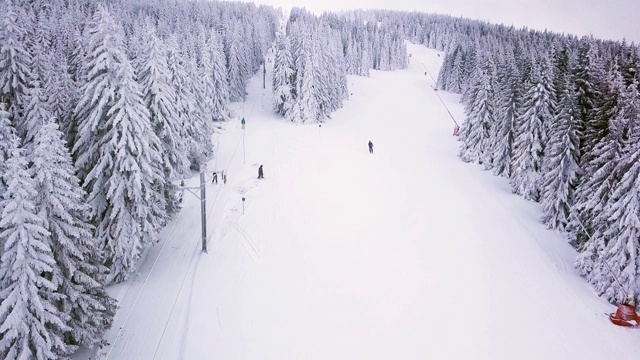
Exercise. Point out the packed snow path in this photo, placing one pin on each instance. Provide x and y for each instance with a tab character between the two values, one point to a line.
408	253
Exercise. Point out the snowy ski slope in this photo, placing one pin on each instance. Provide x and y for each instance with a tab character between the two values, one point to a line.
408	253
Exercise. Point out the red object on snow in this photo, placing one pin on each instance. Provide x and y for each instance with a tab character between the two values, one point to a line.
625	315
456	131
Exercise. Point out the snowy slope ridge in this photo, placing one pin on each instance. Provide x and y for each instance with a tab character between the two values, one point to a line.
408	253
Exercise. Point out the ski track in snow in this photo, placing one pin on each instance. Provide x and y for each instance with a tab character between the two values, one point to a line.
408	253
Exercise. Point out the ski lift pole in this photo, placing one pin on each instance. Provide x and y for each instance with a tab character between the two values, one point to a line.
626	295
199	192
203	211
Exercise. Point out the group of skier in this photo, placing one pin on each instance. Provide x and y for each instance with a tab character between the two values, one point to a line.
261	172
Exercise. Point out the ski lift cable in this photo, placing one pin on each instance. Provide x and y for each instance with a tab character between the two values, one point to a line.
232	155
160	252
428	72
191	261
154	264
604	261
231	159
144	283
439	98
209	212
445	106
184	278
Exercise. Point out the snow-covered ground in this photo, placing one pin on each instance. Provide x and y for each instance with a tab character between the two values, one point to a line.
408	253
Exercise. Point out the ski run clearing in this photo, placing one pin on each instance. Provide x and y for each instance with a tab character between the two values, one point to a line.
407	253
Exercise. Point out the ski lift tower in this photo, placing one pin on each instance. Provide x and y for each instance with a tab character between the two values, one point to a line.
201	194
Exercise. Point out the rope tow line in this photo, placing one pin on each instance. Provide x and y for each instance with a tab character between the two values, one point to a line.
439	98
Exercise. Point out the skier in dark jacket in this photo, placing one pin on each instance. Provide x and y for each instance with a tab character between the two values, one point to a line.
260	173
370	147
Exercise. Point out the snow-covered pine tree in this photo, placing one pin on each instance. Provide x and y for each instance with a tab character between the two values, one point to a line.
562	60
236	64
8	141
306	108
220	95
260	36
255	46
15	61
587	84
399	53
329	66
77	60
597	181
38	43
452	72
384	51
351	56
611	257
189	116
282	76
365	56
31	325
198	125
373	32
622	210
116	151
588	216
507	104
560	163
340	87
628	58
36	113
476	130
549	100
531	134
64	22
61	201
160	99
63	96
459	69
78	55
205	74
589	264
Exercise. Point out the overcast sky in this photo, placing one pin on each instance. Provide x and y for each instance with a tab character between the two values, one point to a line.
605	19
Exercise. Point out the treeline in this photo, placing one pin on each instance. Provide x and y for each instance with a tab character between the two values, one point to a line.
314	55
102	110
559	116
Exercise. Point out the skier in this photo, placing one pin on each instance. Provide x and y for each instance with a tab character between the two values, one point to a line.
370	147
215	178
260	173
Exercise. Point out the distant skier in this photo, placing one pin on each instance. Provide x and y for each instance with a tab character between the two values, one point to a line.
370	147
260	173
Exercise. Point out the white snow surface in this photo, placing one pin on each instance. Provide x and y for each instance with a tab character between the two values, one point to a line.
408	253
